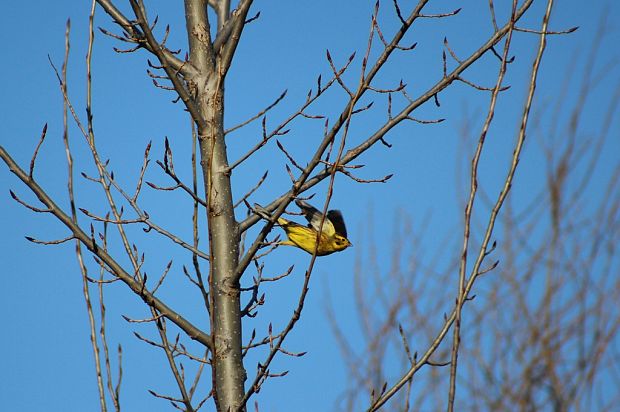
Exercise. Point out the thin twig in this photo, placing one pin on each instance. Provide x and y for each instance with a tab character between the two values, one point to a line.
36	150
461	296
78	245
258	115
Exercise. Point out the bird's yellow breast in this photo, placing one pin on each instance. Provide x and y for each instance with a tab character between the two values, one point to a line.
305	238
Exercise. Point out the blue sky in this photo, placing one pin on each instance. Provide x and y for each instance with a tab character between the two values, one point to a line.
45	339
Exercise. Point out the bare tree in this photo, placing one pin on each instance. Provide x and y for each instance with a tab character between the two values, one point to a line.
214	30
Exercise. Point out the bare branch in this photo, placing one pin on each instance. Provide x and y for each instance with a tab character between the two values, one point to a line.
337	73
441	15
229	46
21	202
481	88
461	294
134	34
288	156
258	115
254	189
359	180
431	93
128	279
548	33
36	150
171	71
49	242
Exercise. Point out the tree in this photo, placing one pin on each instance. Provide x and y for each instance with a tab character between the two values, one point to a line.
346	103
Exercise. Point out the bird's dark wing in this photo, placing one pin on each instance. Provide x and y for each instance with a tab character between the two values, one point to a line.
314	217
337	220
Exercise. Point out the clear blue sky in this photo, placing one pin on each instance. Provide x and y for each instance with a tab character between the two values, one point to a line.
47	359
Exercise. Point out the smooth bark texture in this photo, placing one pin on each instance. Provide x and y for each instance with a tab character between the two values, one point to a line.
207	88
228	371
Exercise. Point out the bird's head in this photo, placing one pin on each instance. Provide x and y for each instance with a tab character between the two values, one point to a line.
341	242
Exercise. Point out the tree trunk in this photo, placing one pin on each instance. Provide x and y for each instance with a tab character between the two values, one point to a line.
228	372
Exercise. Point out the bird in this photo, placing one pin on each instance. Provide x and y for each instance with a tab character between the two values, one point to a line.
333	236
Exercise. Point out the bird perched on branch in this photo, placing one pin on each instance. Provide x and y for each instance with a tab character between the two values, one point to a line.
333	236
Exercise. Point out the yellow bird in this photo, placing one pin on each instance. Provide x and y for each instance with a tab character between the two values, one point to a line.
333	236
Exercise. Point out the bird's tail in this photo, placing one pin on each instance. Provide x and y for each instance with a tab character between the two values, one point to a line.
310	212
